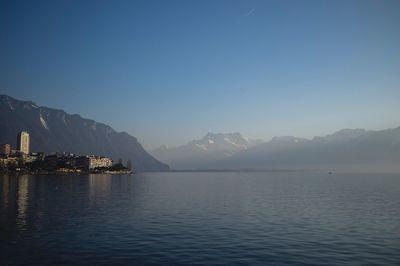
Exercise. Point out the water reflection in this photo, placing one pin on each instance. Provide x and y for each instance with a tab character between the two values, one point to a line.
21	194
104	187
99	187
6	190
22	199
199	218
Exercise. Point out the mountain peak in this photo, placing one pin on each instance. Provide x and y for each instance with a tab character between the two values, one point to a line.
198	152
4	96
287	139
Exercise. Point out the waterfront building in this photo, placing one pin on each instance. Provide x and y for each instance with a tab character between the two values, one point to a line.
23	142
92	162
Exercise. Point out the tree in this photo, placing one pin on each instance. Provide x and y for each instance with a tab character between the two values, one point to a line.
2	164
129	164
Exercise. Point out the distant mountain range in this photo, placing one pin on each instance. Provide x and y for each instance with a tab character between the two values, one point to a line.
345	150
199	154
54	130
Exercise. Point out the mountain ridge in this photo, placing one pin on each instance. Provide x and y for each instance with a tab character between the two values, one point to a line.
197	153
53	130
348	149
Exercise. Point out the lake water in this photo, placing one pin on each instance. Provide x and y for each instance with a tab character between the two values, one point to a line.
200	218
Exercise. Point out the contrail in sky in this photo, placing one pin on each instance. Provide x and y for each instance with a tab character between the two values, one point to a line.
250	12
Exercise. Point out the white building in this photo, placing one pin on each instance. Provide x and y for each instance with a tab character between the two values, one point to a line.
23	142
95	162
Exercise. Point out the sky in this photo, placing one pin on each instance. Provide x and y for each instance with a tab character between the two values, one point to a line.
170	71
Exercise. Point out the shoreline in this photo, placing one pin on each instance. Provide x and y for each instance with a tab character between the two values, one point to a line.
69	172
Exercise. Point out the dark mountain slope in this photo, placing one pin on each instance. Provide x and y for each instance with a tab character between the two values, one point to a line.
54	130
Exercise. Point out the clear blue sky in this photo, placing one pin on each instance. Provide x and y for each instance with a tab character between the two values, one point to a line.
171	71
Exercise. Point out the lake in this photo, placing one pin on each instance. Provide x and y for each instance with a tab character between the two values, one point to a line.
276	218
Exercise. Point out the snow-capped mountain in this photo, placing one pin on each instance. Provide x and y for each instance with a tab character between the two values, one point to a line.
229	143
54	130
347	150
197	154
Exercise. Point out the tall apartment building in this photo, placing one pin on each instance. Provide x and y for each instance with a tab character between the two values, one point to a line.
23	142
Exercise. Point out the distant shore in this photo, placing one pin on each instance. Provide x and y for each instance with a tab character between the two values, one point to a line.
233	170
56	172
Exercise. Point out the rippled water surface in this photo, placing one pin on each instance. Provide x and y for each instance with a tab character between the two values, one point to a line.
200	218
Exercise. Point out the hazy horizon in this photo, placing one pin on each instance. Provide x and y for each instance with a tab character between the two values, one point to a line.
243	135
169	72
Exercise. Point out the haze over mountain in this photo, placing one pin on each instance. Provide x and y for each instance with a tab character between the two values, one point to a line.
198	154
344	150
347	149
54	130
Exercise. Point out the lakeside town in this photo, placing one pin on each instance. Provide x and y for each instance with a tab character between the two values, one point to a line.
22	160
